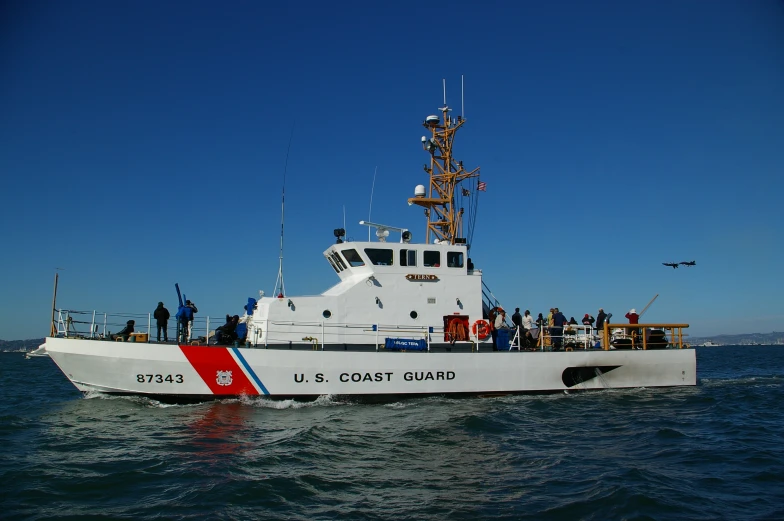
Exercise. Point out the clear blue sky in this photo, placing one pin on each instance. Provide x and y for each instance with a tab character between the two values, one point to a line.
143	144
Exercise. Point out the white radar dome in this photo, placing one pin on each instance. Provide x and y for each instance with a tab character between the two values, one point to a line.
419	191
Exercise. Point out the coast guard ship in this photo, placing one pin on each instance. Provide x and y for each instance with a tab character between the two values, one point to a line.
405	318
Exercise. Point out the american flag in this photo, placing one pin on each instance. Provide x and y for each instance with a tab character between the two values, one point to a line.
482	186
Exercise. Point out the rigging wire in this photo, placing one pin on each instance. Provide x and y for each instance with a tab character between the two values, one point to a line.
279	280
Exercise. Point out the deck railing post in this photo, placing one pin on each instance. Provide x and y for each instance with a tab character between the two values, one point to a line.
644	340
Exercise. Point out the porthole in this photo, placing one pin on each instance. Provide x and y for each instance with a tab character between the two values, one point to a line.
413	315
327	313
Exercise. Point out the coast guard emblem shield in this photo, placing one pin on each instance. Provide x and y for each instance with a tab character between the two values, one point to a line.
223	378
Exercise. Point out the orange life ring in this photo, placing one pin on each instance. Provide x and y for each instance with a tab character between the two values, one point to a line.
481	329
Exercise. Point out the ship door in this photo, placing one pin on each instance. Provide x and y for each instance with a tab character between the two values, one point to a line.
455	328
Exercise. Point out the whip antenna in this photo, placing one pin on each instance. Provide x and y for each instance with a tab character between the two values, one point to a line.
444	80
279	280
373	187
649	304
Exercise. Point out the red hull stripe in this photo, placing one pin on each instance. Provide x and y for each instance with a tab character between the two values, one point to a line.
219	370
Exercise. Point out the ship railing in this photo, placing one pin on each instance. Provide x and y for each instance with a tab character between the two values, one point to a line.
581	336
423	331
100	325
642	338
319	332
72	323
629	336
489	301
315	332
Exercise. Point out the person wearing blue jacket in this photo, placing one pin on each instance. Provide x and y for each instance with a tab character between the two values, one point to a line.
185	320
192	310
556	332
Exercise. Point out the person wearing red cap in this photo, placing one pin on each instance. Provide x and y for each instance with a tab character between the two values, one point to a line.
588	320
634	318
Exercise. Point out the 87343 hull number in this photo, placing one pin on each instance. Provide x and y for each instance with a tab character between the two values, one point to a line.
159	378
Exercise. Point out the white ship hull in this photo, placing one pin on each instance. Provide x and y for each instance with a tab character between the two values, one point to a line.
201	371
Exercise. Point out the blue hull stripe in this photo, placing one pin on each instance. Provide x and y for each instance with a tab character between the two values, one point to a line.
250	371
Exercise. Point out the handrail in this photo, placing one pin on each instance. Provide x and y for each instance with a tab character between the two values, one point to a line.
486	295
68	321
636	327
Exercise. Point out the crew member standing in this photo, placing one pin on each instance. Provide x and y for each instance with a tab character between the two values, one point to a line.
634	318
528	325
497	319
556	332
600	318
588	320
161	316
517	320
193	310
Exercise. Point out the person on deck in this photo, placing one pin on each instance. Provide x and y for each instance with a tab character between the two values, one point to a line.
193	310
517	320
572	321
550	322
224	332
528	325
541	324
162	316
497	317
634	318
125	332
600	318
556	332
588	320
184	316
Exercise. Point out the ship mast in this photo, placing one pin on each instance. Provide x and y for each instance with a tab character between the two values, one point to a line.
443	219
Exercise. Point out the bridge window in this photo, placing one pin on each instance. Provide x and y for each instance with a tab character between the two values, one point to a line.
454	259
353	258
380	257
332	263
408	257
338	261
431	259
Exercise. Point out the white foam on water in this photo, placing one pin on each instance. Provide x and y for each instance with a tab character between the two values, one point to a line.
327	400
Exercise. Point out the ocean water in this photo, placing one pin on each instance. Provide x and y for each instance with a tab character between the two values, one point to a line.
714	451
